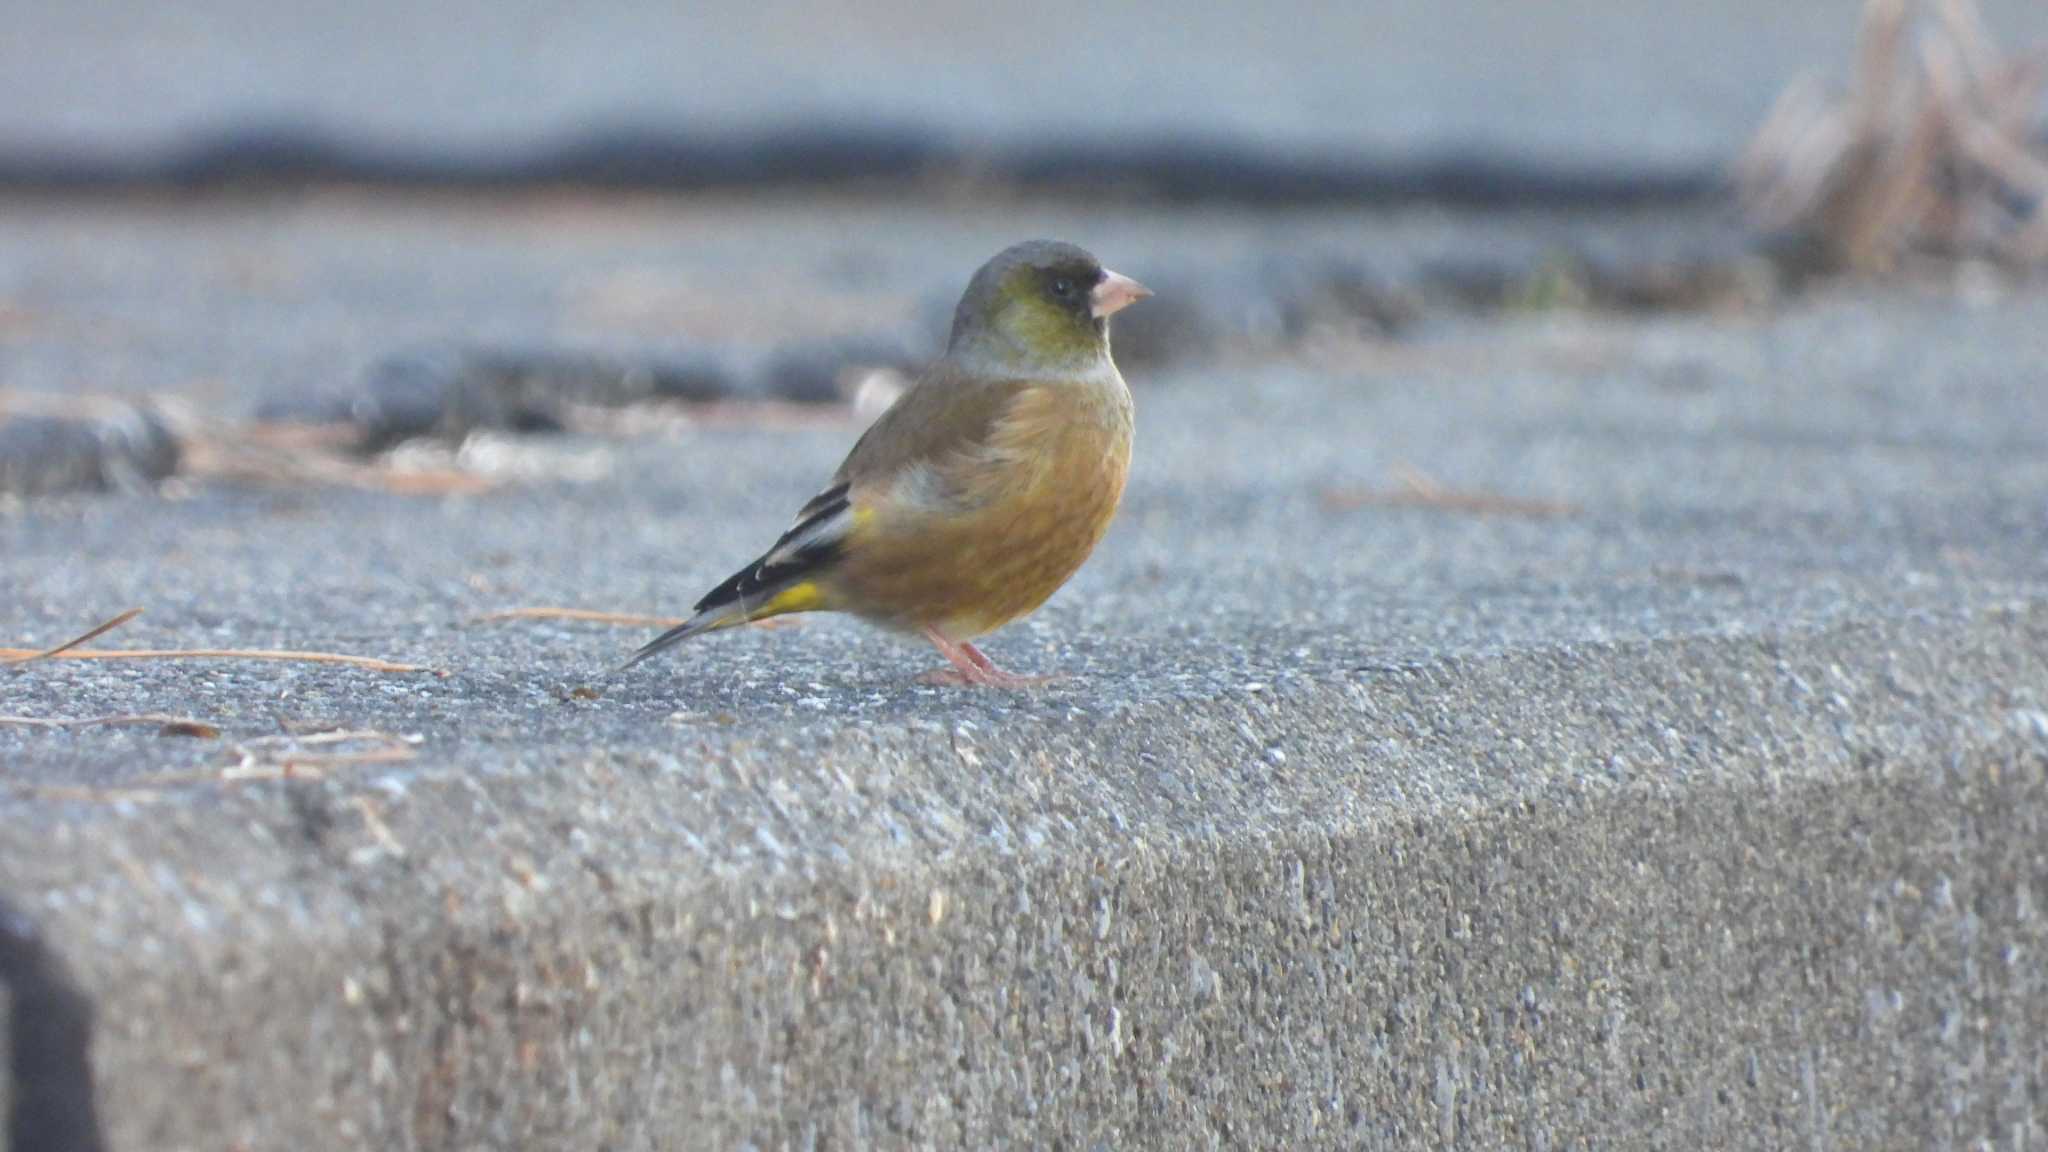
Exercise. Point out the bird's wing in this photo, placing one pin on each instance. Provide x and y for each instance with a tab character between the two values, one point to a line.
946	421
812	540
915	453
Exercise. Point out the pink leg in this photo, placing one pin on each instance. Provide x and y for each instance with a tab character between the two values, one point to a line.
971	666
996	675
963	671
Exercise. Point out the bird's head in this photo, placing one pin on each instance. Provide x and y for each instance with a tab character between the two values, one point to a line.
1041	305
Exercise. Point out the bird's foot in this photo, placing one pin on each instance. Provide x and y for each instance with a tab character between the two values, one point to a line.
996	678
972	668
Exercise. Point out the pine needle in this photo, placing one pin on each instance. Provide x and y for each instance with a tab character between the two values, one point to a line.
13	655
19	656
167	725
70	650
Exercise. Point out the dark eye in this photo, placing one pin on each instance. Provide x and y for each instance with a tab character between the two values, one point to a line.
1063	288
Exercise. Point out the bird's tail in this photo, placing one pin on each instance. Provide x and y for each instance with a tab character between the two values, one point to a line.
696	625
742	599
786	579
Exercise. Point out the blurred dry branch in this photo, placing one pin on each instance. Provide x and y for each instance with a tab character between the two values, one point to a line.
1934	149
1415	488
287	455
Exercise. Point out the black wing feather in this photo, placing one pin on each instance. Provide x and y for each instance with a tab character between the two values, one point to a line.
759	582
763	577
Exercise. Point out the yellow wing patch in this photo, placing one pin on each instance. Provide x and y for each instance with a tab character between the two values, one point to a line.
804	597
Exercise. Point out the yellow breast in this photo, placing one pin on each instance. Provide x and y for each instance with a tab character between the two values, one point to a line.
1025	510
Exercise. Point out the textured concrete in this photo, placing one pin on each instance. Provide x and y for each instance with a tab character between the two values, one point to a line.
1723	893
1701	806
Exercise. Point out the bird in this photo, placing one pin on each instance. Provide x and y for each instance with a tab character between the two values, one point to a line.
980	491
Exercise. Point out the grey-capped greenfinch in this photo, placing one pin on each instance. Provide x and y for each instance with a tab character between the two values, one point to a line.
981	490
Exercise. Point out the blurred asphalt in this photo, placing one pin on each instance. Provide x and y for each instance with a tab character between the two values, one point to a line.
1655	88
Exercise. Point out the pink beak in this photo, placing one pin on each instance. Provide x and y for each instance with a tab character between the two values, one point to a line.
1114	293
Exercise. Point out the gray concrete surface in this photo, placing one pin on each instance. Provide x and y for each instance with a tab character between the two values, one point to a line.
1708	814
229	301
1640	87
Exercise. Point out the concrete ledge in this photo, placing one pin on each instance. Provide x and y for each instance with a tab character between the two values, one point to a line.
1703	892
1706	815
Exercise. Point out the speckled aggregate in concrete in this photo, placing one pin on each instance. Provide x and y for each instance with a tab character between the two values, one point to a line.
1709	814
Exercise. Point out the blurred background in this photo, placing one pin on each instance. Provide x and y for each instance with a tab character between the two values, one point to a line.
409	222
1666	90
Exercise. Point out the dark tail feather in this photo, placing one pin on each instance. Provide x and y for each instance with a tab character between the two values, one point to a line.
696	625
746	596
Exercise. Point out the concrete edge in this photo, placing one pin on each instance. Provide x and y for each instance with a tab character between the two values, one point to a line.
492	1021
